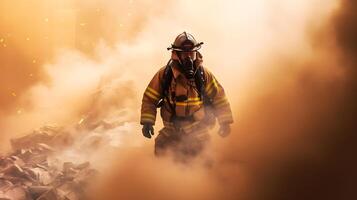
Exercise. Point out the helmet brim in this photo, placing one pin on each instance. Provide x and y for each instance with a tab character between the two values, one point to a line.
195	48
185	50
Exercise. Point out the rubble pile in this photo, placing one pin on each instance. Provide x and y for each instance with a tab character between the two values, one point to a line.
31	172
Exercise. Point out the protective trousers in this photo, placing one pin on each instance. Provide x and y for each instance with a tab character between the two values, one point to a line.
180	143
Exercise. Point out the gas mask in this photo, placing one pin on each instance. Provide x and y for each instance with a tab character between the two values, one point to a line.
188	67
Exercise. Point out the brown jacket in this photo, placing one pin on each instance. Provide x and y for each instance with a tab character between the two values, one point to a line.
193	106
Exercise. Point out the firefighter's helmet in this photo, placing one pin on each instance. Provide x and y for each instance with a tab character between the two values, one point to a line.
185	42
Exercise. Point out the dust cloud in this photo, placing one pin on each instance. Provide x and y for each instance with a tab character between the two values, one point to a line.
288	68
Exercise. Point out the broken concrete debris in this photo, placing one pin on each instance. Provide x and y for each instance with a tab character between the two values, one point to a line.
27	173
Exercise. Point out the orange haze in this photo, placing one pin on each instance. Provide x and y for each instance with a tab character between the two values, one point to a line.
288	68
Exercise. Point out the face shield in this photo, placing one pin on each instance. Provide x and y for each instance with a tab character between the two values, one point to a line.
187	59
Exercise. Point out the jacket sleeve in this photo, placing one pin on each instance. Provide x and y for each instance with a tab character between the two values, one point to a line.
151	97
220	103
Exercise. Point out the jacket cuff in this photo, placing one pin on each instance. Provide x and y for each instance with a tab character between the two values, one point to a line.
225	119
147	118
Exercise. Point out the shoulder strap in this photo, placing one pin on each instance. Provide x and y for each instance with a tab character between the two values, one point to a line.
165	84
166	79
200	81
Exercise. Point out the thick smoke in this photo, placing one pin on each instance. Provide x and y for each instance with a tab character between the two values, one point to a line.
59	54
329	174
281	144
288	68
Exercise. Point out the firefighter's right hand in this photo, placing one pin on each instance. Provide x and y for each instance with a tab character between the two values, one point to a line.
148	130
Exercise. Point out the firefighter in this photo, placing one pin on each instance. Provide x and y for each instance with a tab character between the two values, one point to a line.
190	100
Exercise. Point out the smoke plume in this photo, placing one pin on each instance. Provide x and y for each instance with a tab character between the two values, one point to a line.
288	68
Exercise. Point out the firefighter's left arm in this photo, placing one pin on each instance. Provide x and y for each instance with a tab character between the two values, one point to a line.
220	103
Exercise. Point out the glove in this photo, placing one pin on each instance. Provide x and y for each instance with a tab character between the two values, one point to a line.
224	130
148	130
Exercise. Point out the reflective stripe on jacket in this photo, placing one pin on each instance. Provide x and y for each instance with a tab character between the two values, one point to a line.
192	106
